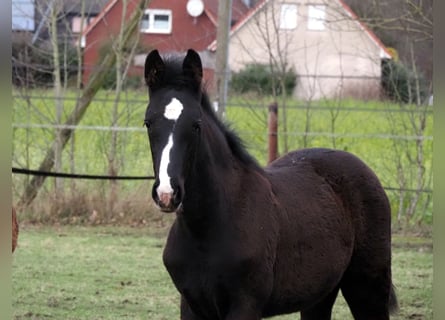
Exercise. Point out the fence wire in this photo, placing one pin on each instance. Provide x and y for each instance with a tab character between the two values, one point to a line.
385	135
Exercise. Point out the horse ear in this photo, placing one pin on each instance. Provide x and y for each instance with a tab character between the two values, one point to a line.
154	67
192	66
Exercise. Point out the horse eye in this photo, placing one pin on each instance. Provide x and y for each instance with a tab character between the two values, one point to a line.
147	124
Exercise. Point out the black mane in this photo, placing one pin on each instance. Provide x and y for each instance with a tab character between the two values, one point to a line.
235	143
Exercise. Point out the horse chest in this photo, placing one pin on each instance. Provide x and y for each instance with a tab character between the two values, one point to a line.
201	275
195	265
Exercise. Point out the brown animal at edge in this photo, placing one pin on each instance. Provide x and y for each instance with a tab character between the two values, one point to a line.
15	229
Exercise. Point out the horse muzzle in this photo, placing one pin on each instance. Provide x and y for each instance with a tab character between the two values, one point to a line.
167	201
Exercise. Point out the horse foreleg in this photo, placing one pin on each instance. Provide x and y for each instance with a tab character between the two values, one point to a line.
238	311
243	310
322	310
187	312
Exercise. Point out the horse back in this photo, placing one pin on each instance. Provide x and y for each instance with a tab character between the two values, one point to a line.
352	183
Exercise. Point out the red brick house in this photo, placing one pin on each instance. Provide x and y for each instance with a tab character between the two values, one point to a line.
166	25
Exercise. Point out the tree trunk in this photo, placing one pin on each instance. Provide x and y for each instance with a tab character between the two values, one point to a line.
58	96
113	166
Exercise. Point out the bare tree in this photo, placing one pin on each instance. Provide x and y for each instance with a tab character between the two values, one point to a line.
275	44
55	10
409	23
123	63
81	107
406	25
79	54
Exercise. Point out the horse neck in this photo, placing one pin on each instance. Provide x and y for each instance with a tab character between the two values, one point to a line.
213	181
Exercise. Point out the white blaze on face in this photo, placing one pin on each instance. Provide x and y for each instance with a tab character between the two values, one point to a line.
172	112
164	178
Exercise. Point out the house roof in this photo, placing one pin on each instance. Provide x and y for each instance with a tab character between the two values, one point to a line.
242	22
385	53
99	17
92	7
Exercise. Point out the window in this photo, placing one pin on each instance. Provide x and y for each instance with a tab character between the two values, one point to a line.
23	15
77	22
156	21
316	17
288	16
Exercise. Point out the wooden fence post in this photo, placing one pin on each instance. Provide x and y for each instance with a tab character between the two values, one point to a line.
273	134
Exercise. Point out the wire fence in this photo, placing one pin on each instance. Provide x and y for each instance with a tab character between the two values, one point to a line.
110	143
108	177
244	133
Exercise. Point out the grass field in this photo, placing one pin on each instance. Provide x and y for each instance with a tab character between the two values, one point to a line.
117	273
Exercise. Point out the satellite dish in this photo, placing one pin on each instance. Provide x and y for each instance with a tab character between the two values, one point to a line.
195	8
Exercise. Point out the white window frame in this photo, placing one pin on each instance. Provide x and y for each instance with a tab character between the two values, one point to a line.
77	21
152	13
288	16
316	17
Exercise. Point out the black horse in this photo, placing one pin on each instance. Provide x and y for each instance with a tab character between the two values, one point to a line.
251	242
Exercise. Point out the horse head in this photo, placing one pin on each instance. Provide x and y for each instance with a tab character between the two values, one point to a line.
173	119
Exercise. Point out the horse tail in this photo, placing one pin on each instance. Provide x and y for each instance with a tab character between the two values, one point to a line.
393	303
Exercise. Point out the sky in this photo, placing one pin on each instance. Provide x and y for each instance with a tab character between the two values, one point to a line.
23	15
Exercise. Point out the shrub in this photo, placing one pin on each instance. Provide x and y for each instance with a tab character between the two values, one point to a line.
399	83
259	78
130	82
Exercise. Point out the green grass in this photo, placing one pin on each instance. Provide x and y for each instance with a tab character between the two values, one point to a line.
91	273
117	273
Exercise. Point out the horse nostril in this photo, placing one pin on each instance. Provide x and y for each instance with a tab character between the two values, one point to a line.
165	199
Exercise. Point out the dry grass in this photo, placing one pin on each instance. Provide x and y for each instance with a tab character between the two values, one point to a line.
91	206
